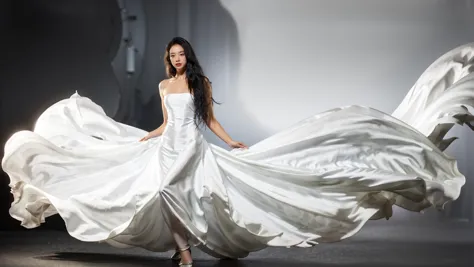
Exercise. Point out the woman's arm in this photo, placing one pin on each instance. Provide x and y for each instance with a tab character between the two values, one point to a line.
217	128
159	131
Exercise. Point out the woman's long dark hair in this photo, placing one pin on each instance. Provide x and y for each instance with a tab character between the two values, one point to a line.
198	84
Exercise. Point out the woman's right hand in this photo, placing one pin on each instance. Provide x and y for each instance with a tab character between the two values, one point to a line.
155	133
148	136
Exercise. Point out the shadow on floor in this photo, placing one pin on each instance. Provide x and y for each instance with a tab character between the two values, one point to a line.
92	259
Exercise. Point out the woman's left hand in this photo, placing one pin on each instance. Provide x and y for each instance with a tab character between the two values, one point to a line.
235	144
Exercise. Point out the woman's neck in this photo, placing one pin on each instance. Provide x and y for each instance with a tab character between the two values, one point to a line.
180	75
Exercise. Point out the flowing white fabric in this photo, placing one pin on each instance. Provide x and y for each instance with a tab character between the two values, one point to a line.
320	180
442	96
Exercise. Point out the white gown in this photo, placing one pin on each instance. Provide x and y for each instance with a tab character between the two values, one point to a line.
320	180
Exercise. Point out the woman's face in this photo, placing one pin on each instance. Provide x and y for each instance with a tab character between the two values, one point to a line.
177	57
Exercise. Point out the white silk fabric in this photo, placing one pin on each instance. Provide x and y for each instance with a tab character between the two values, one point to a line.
320	180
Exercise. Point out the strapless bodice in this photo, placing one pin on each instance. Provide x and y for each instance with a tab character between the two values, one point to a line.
180	109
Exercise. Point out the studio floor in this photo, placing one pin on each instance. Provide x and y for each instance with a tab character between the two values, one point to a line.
376	245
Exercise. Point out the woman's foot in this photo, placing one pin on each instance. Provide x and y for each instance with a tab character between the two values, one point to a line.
185	255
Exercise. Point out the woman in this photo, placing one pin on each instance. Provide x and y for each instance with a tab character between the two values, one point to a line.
320	180
186	78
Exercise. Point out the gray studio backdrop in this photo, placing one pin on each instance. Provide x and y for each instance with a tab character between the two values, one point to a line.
272	62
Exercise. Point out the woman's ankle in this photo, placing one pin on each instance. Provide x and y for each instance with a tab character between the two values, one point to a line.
186	256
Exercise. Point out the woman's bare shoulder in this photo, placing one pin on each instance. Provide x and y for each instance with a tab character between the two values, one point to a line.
162	85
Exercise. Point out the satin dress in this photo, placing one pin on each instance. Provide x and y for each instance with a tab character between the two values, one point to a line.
319	180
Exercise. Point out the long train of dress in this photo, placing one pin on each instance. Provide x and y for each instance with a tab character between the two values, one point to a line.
320	180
